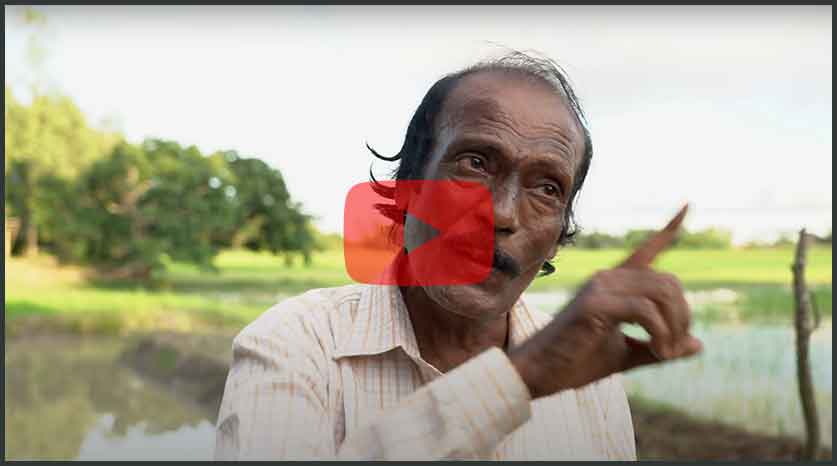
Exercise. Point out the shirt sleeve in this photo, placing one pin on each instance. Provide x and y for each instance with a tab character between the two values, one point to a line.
275	408
463	414
275	399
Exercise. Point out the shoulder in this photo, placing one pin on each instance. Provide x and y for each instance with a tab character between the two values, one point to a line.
302	322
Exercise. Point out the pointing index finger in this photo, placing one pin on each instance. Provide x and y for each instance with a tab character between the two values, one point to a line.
644	255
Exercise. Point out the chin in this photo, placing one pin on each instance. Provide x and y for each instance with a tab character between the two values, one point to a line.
492	297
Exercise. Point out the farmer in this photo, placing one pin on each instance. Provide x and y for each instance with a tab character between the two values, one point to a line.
466	371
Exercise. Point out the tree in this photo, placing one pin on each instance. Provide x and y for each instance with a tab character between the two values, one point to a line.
13	113
50	137
633	238
146	204
709	238
266	218
598	240
17	122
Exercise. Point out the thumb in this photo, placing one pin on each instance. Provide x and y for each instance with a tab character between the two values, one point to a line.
639	354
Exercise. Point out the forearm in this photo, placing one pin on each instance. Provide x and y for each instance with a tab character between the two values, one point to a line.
463	414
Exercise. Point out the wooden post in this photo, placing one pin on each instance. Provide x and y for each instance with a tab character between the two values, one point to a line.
804	327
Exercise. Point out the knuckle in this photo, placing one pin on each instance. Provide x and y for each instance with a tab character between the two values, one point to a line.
645	305
593	312
597	322
665	331
675	283
687	317
639	305
669	286
648	311
600	279
595	301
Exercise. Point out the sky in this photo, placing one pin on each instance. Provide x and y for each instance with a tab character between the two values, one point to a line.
728	108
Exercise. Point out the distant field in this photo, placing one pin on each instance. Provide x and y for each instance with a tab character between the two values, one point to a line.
248	283
697	268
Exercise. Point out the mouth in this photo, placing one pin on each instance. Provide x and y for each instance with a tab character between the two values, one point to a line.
505	264
464	248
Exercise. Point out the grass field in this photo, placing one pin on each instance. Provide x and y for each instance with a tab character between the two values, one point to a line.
248	283
697	268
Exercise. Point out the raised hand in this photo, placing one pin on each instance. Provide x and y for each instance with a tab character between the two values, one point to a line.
584	343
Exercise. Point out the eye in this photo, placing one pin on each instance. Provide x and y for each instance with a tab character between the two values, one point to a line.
476	163
551	190
473	162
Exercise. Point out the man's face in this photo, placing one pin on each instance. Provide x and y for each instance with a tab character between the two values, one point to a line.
519	139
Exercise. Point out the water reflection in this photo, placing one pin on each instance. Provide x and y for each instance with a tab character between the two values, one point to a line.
746	375
184	443
69	398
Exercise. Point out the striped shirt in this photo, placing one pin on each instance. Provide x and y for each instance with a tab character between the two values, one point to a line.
336	373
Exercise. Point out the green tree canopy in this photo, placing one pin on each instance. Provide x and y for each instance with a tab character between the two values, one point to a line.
47	138
145	204
266	218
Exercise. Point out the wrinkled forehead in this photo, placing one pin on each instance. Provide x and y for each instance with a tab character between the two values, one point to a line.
518	102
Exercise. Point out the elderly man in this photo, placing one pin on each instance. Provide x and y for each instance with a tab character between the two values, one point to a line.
465	371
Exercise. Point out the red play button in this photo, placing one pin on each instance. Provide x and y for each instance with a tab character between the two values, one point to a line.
459	247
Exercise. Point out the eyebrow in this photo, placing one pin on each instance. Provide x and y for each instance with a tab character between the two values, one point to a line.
488	142
495	147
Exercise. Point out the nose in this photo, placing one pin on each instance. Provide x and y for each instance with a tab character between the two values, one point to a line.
505	210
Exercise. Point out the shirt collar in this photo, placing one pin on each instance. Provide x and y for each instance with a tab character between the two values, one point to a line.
382	323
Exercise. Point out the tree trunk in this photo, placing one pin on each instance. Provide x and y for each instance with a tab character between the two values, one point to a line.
23	186
804	328
30	237
12	232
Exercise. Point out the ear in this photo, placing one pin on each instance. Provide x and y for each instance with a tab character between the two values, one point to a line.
553	250
547	268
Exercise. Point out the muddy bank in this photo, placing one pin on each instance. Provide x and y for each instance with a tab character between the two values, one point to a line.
195	368
665	433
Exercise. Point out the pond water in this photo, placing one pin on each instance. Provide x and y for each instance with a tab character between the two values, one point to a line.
71	398
746	375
